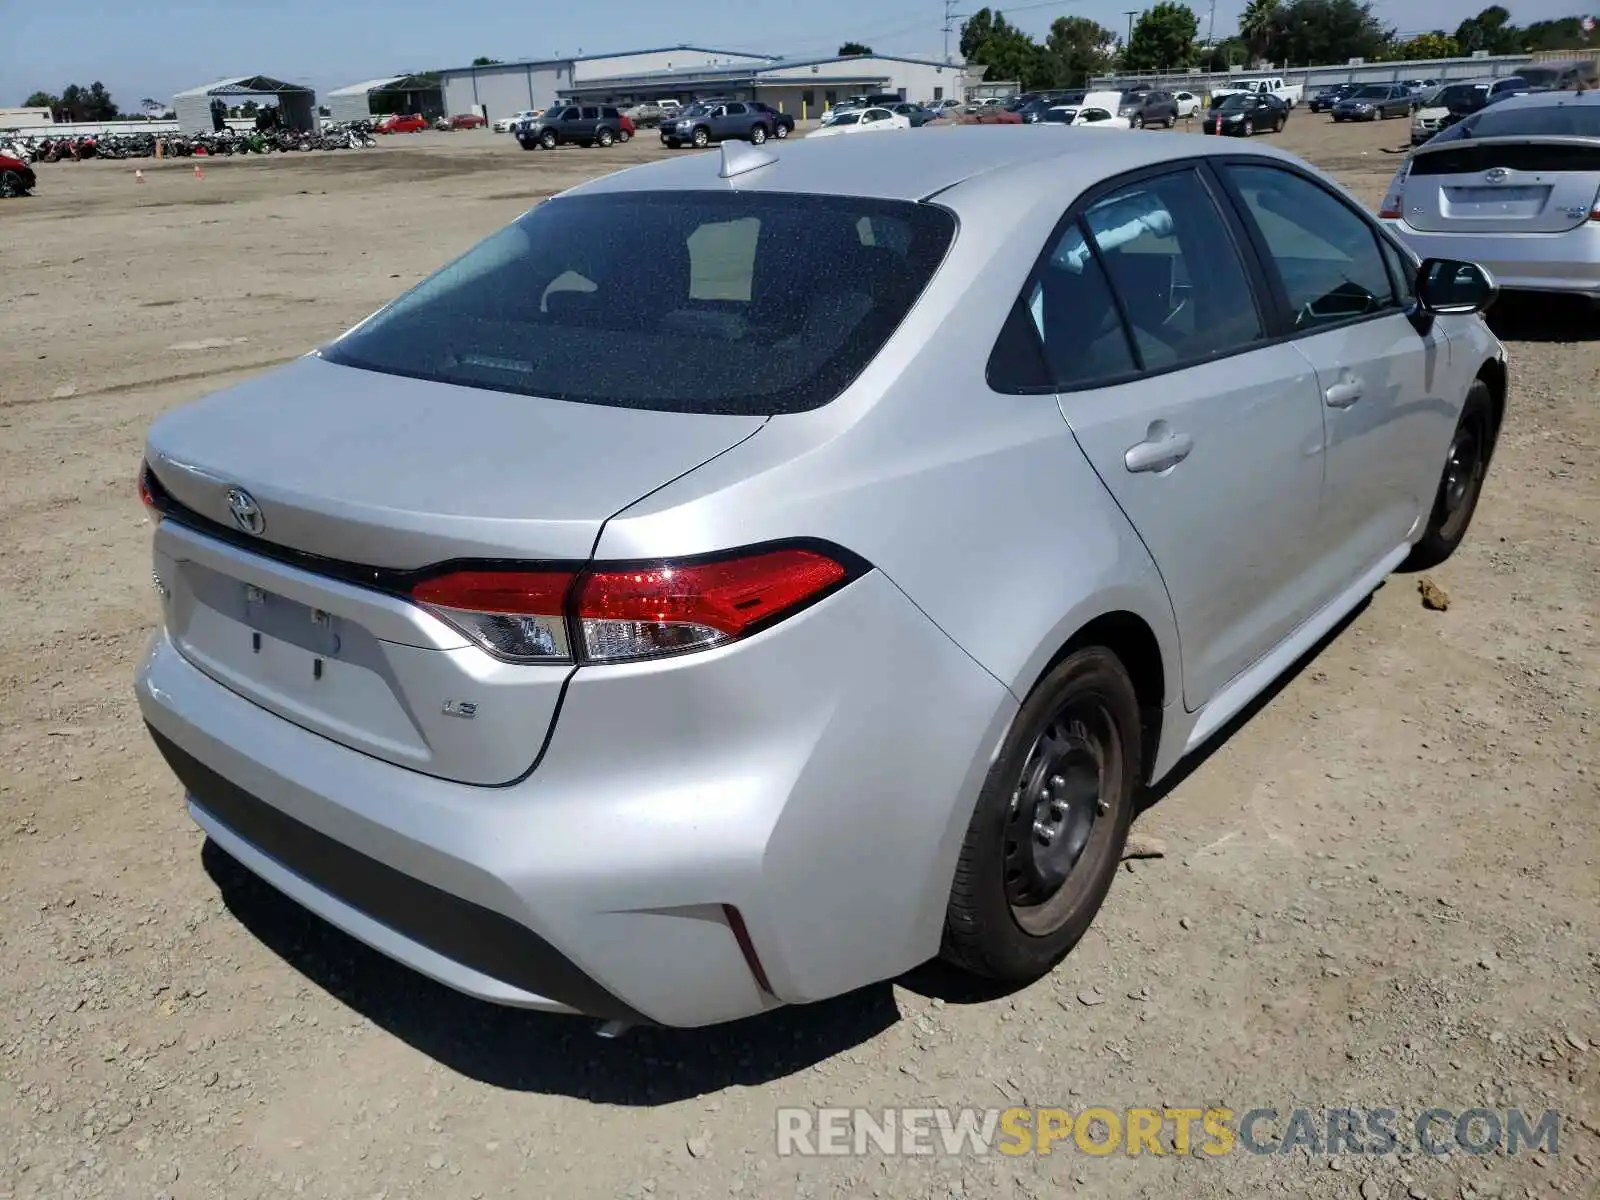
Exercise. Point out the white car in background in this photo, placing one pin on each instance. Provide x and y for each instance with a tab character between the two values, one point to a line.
1089	115
507	124
1188	104
866	120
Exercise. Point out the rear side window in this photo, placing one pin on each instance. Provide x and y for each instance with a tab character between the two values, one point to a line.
1173	264
591	114
1325	253
718	302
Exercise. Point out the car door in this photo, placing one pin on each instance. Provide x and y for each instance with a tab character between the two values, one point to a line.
1207	435
1381	379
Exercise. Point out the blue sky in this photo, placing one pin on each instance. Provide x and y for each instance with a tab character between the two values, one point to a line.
158	47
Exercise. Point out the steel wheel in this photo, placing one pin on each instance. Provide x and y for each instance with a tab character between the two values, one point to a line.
1249	127
1049	825
1057	802
702	138
548	139
758	135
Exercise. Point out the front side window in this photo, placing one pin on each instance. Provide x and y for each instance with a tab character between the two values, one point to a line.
1326	253
729	302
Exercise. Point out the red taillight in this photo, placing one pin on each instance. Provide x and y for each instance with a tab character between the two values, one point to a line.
622	613
146	495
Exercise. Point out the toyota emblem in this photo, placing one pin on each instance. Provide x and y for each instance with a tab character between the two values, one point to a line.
245	511
1496	174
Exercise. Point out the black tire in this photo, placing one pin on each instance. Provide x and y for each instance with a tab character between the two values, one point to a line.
527	145
624	136
1277	126
1461	481
671	143
1019	903
11	185
1170	122
781	131
605	138
549	140
758	135
1136	122
701	138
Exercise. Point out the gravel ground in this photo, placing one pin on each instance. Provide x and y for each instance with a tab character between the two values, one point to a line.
1381	889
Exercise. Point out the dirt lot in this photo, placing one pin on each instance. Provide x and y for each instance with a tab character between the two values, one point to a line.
1381	890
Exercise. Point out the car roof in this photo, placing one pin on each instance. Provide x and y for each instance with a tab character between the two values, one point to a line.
918	165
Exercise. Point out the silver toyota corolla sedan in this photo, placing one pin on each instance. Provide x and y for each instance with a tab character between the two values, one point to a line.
745	577
1516	187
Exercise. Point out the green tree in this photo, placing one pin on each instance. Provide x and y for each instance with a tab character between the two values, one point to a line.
1565	33
1437	44
1490	30
988	38
976	31
1229	52
1076	49
42	100
1331	32
854	50
1162	39
92	103
484	60
1261	26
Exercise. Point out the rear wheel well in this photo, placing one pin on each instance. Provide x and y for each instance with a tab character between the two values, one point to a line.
1134	643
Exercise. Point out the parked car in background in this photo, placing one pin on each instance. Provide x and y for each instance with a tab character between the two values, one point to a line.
866	120
571	125
1325	99
1088	115
1561	76
1374	102
915	113
1188	103
708	121
1245	114
942	108
1515	186
644	116
1272	85
509	124
409	123
17	178
461	121
751	662
1461	100
1148	106
625	127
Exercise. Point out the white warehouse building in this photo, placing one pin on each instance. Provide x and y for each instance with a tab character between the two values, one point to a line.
800	86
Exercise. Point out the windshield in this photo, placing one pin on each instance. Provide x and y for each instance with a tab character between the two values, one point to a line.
1457	94
1134	96
694	301
1373	91
849	118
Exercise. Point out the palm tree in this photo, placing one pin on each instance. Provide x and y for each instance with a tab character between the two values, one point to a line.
1260	24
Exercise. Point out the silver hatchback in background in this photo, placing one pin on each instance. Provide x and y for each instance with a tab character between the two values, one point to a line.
735	582
1514	187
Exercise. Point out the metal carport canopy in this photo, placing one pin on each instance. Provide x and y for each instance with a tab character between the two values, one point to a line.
246	85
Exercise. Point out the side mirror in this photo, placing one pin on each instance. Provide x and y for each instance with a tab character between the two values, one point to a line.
1447	286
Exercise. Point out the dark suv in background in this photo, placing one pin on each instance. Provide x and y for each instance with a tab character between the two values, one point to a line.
571	125
1324	100
1148	106
707	121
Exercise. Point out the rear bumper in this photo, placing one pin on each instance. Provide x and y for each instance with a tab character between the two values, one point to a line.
818	778
1567	262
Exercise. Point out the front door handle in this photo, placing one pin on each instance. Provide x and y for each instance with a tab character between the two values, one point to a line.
1343	394
1158	453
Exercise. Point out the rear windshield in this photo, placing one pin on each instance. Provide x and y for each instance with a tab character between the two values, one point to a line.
1577	119
714	302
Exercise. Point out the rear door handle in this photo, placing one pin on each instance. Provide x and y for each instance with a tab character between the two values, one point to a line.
1159	453
1343	394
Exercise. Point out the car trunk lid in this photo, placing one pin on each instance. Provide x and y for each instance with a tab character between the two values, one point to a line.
1521	185
303	503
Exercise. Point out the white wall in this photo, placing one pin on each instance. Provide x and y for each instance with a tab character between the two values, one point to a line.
503	90
920	80
590	69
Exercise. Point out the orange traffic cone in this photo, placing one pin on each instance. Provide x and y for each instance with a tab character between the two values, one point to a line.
138	176
198	173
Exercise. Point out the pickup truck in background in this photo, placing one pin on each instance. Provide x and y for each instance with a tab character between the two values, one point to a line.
1272	85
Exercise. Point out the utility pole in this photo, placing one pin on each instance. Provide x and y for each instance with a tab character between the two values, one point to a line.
1211	26
950	19
1130	14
